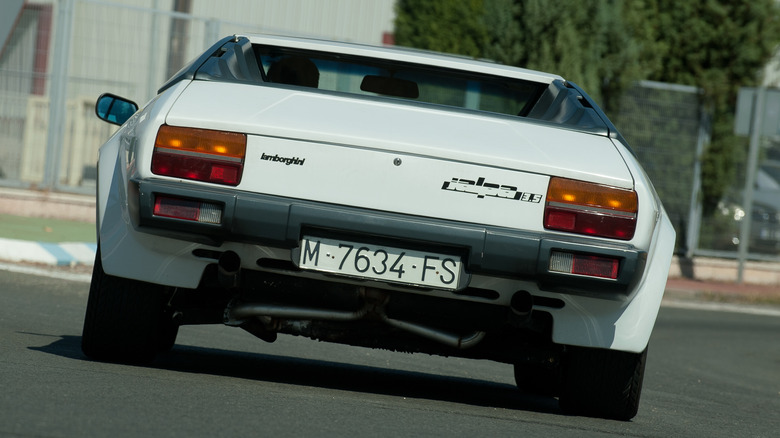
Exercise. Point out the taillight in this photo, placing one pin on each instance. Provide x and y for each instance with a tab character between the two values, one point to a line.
592	209
188	209
583	264
199	154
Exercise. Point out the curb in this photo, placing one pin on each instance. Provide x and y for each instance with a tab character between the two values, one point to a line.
56	254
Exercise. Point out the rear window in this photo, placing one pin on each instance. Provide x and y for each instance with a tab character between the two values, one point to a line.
415	82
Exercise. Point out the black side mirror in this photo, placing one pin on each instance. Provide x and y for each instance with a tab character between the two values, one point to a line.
114	109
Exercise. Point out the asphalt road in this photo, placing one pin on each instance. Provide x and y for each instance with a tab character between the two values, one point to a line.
713	374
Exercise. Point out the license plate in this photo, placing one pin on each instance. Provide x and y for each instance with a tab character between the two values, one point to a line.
383	263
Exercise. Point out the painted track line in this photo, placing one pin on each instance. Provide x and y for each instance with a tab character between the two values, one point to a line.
45	272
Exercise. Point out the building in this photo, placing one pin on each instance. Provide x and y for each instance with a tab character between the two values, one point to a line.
57	57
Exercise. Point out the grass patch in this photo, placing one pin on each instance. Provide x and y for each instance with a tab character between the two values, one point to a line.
46	230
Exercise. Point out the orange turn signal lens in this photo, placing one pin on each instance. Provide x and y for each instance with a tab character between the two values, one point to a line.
569	191
205	141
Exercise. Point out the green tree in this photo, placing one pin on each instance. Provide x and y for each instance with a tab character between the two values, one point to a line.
606	45
718	46
441	25
587	42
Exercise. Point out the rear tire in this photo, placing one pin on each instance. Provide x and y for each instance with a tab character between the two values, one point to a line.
602	383
126	320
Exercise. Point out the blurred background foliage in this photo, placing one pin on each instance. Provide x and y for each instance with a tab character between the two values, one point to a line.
605	46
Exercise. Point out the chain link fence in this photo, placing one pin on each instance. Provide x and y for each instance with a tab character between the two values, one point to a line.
667	129
61	56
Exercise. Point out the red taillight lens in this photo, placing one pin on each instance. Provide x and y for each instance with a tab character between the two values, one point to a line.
581	264
593	209
199	154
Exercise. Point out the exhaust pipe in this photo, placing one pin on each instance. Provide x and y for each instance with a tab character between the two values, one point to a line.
521	304
228	268
237	314
440	336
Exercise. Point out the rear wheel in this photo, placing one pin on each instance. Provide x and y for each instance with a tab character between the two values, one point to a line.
126	320
602	383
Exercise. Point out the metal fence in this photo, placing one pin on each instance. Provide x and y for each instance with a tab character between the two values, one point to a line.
50	136
61	56
668	129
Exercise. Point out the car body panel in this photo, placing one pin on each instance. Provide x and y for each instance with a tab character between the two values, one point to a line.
398	173
503	142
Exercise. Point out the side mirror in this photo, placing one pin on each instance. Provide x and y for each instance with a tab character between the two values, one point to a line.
114	109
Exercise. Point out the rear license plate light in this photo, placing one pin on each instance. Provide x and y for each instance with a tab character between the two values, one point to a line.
188	209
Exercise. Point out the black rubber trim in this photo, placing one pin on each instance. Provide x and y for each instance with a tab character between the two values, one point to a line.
281	222
188	71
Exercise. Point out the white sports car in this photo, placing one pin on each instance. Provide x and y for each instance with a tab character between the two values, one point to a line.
386	198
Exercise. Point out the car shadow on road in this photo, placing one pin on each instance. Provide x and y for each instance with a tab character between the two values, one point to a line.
330	375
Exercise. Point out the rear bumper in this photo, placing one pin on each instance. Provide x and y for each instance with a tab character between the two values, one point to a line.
276	222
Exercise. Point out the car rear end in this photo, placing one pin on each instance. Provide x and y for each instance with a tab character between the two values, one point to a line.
371	218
